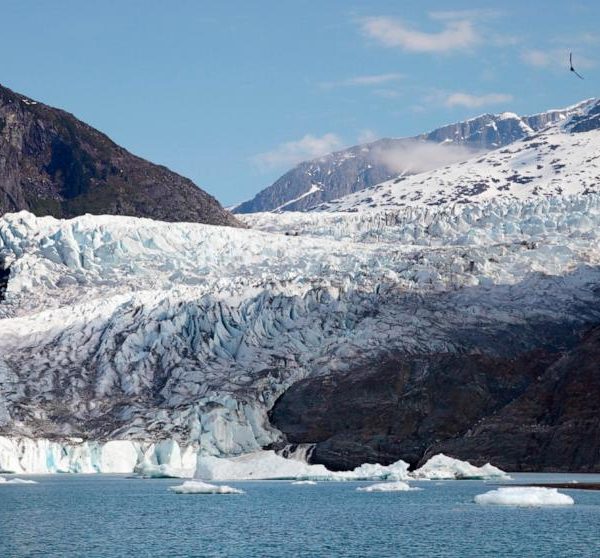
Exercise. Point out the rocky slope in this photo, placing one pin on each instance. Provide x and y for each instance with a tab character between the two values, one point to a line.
53	164
352	170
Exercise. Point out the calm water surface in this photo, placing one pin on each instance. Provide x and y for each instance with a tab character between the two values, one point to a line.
112	516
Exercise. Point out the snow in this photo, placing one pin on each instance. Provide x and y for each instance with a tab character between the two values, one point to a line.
442	467
397	486
5	482
313	188
198	487
530	496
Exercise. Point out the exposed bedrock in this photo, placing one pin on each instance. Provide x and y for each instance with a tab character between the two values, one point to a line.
534	411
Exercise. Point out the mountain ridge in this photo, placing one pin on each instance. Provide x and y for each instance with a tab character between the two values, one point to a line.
358	167
52	163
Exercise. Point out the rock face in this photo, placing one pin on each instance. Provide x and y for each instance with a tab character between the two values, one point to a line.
553	425
535	412
53	164
359	167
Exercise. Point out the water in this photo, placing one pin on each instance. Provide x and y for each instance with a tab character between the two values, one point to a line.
112	516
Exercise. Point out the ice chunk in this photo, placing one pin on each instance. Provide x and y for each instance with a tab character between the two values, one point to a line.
4	481
199	487
265	465
442	467
150	471
305	482
397	486
525	496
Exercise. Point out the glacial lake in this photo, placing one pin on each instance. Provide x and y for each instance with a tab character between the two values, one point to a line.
113	516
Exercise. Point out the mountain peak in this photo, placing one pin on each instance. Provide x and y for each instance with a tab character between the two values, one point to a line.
51	163
351	170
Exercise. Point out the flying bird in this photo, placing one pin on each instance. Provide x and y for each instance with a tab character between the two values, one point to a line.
571	64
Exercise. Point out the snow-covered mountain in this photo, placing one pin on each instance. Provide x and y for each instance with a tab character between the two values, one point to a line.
354	169
119	328
563	159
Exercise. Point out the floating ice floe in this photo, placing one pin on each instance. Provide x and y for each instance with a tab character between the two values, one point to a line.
397	486
305	482
529	496
4	481
199	487
150	471
267	465
442	467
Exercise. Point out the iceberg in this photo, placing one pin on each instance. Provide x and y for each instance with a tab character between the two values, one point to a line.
268	465
397	486
305	482
528	496
442	467
4	482
199	487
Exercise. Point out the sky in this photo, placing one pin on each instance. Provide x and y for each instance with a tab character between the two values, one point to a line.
233	94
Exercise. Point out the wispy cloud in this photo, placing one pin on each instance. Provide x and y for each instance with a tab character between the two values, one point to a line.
293	152
421	156
465	14
476	101
456	34
367	136
359	81
554	58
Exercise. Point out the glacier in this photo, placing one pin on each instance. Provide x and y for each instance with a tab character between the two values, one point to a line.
42	456
128	344
116	328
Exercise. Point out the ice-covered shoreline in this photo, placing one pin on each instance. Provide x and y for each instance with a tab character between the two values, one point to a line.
40	456
166	459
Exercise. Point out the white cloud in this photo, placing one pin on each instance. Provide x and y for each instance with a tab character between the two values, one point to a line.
293	152
465	14
476	101
375	79
555	58
537	58
420	156
367	136
457	34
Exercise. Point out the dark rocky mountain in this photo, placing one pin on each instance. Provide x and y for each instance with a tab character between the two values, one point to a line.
359	167
537	411
51	163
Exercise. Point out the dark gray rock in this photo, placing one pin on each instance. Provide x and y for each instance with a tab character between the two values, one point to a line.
53	164
536	411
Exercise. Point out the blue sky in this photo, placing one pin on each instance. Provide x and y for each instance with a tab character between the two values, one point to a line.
232	94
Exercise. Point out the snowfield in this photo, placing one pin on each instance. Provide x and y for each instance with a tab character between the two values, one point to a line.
129	344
